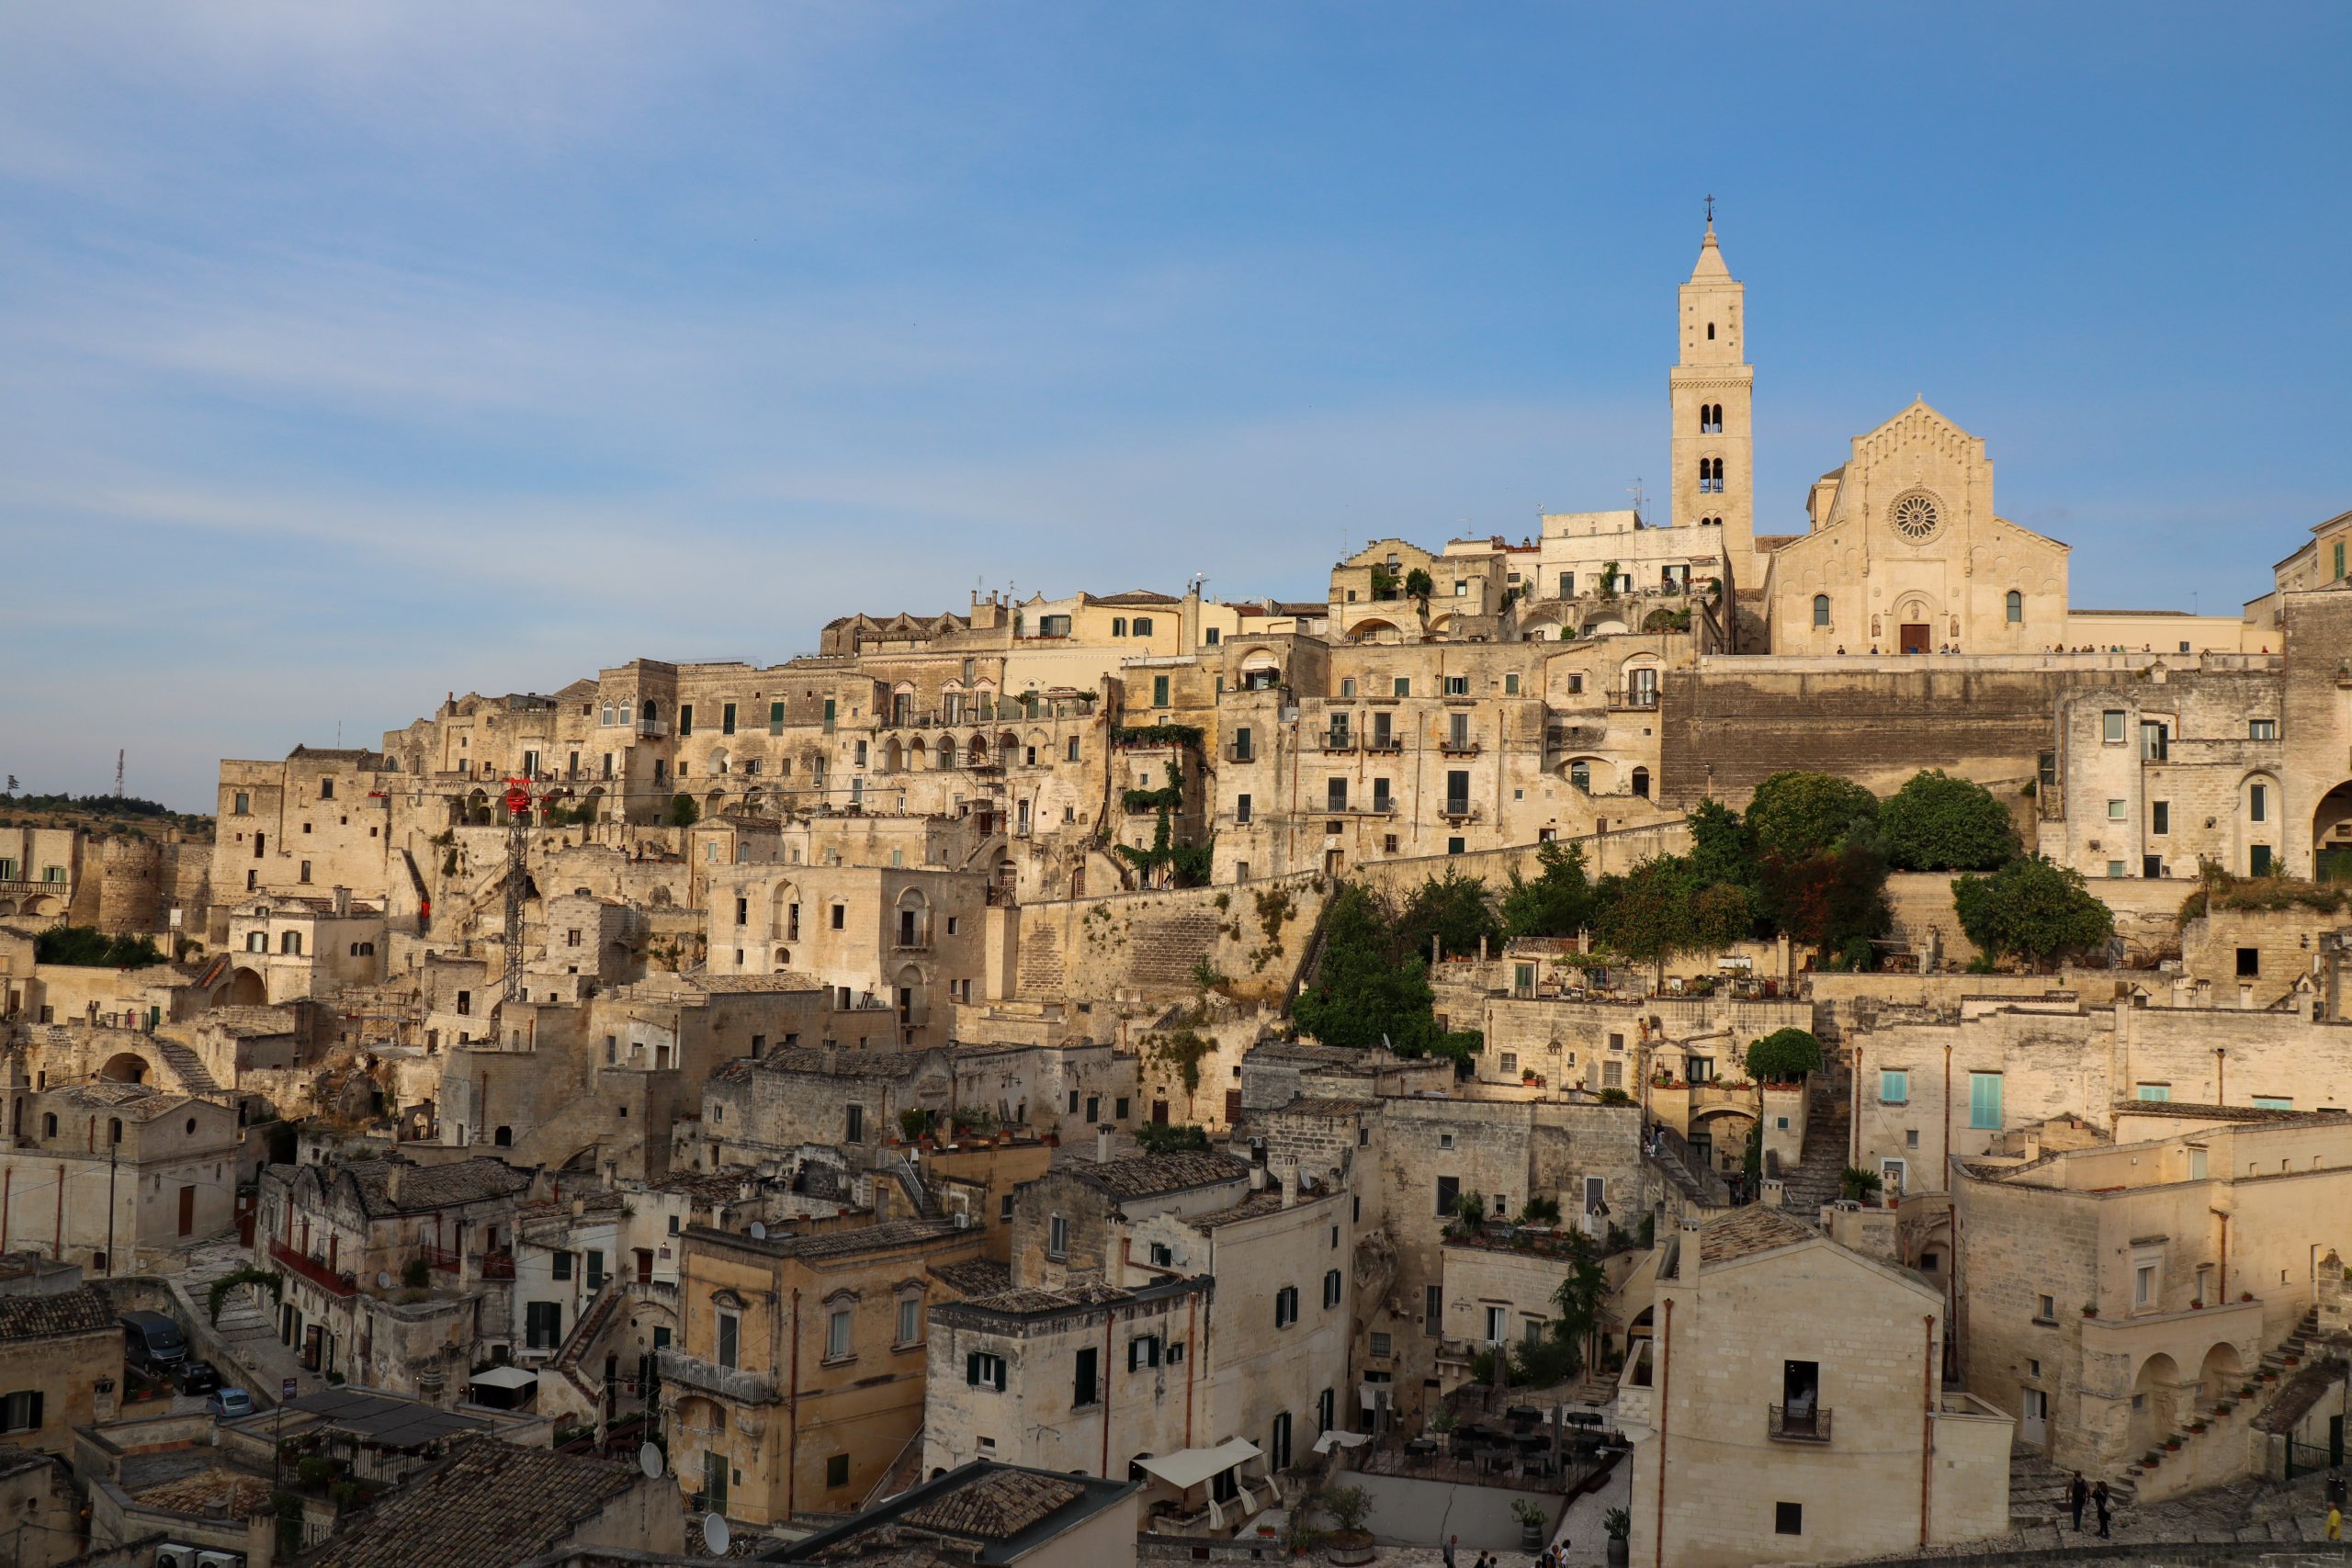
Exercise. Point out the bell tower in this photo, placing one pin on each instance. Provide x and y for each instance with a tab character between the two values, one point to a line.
1712	387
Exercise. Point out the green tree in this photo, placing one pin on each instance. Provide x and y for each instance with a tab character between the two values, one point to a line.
1364	988
1721	914
1580	1295
2033	909
1826	900
1936	822
1722	849
1783	1056
1456	910
1794	815
1418	587
1559	901
87	947
1646	913
1167	1137
683	812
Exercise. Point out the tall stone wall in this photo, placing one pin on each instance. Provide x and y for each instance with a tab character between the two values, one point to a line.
130	878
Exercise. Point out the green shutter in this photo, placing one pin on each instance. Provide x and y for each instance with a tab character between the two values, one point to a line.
776	719
1985	1100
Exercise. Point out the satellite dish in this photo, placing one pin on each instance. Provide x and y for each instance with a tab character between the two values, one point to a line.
649	1459
759	1231
383	1280
714	1536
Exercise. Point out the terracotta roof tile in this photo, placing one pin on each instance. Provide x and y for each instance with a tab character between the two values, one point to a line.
490	1505
1748	1231
53	1317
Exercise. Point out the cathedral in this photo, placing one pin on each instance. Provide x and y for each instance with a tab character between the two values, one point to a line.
1903	552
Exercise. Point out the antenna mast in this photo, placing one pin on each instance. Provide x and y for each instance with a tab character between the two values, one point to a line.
117	773
517	801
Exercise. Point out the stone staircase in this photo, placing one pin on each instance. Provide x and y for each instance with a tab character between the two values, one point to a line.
1828	1127
195	1078
2299	1348
2038	1493
1675	1162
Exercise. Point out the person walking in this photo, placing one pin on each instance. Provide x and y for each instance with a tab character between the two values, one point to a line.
2101	1500
2079	1494
1451	1543
2335	1522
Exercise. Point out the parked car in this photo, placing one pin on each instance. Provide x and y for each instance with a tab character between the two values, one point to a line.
228	1404
152	1341
198	1377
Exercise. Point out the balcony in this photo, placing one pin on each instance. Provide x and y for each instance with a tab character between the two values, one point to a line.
652	728
1640	699
442	1259
1338	740
1240	754
1388	744
1458	746
498	1265
1459	811
334	1282
708	1377
1784	1425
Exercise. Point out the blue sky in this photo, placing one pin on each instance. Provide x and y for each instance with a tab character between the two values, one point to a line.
354	353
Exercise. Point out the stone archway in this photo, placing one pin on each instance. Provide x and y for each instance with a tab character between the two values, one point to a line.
2222	1371
247	990
2332	836
127	1066
2156	1393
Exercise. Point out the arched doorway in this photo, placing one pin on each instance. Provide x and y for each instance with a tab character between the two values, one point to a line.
125	1067
2222	1371
2332	836
2154	1394
247	990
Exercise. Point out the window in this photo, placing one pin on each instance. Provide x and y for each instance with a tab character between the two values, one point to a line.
1118	626
984	1371
1509	1060
2143	1284
542	1326
2160	817
2045	1308
2274	1102
854	1131
1895	1087
2340	557
1821	609
836	1470
2111	727
1241	748
837	1346
1160	691
841	914
1985	1100
2016	604
1057	1237
1449	1188
1457	685
1240	810
1285	1306
2155	1093
2258	860
595	1269
1332	1288
1335	794
21	1412
1084	1383
2262	730
1432	1310
776	719
2115	868
2115	809
1403	687
1143	625
1383	1344
1143	1351
562	1261
1511	685
1498	1325
1788	1518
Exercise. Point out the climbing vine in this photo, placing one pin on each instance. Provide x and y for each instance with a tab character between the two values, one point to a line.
269	1279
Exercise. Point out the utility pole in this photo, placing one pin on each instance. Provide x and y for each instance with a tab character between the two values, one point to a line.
117	773
518	843
113	1149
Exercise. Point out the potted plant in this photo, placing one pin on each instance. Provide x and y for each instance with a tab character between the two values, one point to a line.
2089	1311
1444	1421
1532	1519
1347	1507
1861	1186
1618	1525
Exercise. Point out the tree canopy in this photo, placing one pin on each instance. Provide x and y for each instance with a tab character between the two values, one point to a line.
88	947
1374	978
1456	910
1783	1056
1936	822
1559	901
1167	1137
2033	909
1797	815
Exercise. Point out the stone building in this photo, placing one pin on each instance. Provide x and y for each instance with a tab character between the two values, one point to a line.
1157	1313
2118	1296
61	1353
350	1236
1788	1406
40	870
113	1174
300	946
798	1377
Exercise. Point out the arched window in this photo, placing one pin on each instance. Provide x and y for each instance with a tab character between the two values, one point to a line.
606	716
1711	331
503	1138
1821	609
2016	607
1642	783
1580	775
652	710
48	1124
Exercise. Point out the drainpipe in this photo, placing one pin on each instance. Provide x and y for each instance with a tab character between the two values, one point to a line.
1926	1424
1947	1160
2220	1082
792	1416
2225	1255
1108	1317
1192	1339
1854	1107
1665	1388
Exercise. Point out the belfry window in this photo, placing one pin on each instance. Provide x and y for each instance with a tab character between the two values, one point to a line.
2016	607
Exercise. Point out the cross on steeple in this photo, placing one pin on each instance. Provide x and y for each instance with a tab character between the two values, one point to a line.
1710	208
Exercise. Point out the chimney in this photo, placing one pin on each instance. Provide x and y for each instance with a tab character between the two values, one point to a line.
1102	1144
392	1180
1257	1179
1290	1183
342	902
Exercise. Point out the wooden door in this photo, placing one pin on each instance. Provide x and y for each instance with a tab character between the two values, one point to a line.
187	1211
1914	638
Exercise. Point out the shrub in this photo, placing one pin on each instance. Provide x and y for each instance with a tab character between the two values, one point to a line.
1783	1056
2032	908
417	1274
1856	1183
1167	1137
683	812
1936	822
1346	1507
1794	815
87	947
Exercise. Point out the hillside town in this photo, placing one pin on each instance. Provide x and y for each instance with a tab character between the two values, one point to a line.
1645	1039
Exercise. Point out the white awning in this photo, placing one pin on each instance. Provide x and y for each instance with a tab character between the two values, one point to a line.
1189	1467
505	1377
1335	1438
